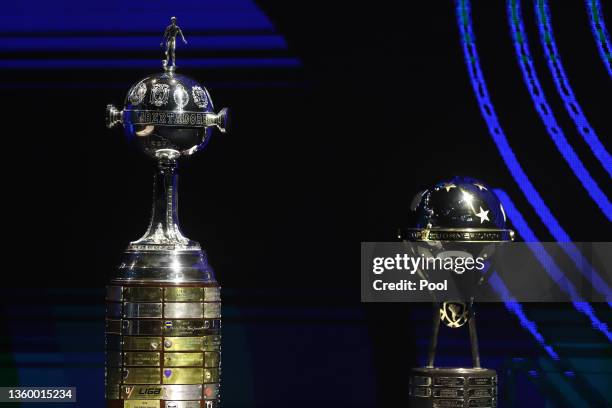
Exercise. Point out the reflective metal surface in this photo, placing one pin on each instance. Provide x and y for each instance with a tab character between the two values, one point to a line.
163	303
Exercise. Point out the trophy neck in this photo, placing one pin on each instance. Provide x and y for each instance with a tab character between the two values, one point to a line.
164	232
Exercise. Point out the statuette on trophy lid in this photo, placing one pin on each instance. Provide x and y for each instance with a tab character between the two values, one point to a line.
460	216
163	304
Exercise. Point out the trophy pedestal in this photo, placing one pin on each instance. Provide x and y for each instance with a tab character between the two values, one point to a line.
163	345
453	388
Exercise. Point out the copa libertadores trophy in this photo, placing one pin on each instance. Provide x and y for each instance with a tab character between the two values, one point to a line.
163	310
461	216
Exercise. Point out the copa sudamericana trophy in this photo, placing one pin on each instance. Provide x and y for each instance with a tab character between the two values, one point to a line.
163	310
457	217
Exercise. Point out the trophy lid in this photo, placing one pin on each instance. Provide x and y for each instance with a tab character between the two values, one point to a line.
461	209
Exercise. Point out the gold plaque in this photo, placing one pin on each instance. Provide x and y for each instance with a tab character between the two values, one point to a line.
211	375
183	344
184	327
142	343
212	294
113	358
140	375
182	294
134	358
212	343
212	359
183	359
113	375
212	310
183	375
150	392
141	404
140	294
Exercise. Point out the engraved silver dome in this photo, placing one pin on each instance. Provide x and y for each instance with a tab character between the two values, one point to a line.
168	111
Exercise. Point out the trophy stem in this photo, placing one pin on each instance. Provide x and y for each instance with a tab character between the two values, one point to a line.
433	342
164	231
474	341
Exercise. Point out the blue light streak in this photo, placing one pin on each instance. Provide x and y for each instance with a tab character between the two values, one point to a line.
551	268
501	141
598	27
564	88
544	110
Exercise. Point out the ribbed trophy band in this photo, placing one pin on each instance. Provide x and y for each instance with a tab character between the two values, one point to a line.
163	345
453	388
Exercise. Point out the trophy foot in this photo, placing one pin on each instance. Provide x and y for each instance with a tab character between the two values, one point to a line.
453	388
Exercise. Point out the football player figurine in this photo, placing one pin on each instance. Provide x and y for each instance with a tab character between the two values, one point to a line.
170	37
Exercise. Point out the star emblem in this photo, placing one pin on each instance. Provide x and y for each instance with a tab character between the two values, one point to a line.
480	186
448	186
483	215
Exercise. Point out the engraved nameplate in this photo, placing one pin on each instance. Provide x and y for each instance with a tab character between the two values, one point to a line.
185	327
183	375
481	381
183	310
211	375
140	404
111	391
182	404
183	359
448	403
211	391
212	294
212	310
113	326
142	343
114	293
481	402
448	392
113	310
113	358
212	343
182	294
142	327
421	392
142	294
139	392
142	310
139	375
183	392
449	381
113	342
141	358
184	344
481	392
418	380
113	375
212	359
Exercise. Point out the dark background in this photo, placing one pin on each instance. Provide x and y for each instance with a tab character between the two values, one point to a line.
321	156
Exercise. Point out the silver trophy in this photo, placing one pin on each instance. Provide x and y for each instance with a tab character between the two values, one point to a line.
457	217
163	311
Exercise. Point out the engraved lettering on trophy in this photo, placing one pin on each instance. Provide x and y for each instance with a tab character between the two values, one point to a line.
480	402
142	375
142	310
183	376
182	294
449	381
183	310
183	359
132	358
448	403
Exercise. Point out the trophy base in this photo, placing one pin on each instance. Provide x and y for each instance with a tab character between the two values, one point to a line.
453	388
